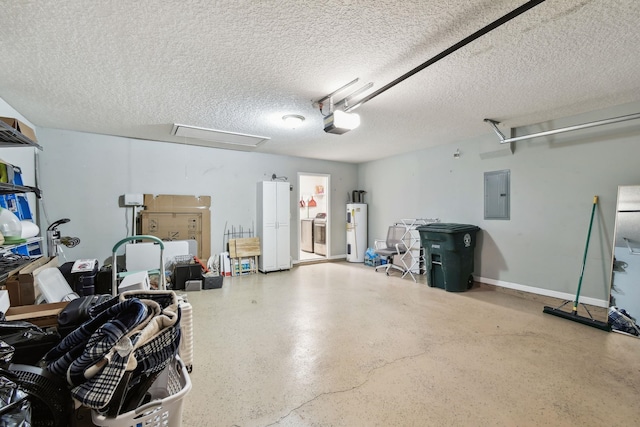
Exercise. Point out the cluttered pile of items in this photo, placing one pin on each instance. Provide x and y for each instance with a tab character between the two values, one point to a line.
89	345
105	346
117	358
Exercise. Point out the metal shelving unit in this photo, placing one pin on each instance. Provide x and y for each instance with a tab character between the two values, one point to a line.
13	189
8	249
12	194
10	137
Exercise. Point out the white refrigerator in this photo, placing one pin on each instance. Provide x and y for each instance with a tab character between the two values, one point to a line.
356	231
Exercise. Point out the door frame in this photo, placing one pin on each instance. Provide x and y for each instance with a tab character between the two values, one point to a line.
327	177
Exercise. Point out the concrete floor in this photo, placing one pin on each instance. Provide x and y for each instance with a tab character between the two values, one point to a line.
337	344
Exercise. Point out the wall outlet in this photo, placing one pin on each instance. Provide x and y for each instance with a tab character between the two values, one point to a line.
133	199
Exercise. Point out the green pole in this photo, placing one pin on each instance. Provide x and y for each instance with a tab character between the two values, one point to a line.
584	259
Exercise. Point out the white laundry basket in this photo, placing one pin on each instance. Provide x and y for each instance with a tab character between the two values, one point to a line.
164	409
186	327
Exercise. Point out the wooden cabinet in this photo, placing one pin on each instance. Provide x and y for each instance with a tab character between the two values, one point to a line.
273	225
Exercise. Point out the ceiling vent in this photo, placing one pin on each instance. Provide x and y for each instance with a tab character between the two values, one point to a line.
219	138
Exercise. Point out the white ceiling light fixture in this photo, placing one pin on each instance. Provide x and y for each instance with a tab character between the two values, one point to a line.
233	140
293	120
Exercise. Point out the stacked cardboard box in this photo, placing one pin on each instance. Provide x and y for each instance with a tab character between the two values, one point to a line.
177	217
23	292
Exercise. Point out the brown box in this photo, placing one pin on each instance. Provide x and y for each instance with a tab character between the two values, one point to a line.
170	226
21	286
43	315
20	127
176	203
178	217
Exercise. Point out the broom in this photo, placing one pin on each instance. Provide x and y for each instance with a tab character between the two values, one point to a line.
573	315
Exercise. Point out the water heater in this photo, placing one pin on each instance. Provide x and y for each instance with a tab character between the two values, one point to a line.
356	231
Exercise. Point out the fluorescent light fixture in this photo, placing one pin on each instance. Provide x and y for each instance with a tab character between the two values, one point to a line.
293	120
340	122
218	136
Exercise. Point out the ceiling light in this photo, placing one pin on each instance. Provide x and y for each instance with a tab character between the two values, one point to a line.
293	120
218	136
340	122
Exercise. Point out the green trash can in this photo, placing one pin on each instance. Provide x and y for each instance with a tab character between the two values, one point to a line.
448	251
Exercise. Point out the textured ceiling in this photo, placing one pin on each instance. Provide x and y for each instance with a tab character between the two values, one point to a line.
135	68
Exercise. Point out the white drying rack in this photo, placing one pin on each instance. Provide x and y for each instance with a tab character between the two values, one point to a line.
413	257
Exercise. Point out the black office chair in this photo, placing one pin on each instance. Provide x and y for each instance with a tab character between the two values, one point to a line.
393	245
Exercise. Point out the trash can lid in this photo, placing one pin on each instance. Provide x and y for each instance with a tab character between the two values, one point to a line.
444	227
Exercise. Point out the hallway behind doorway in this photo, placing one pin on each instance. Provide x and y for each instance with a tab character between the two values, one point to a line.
313	218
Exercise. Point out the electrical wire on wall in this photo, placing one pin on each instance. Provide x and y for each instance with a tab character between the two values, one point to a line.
274	177
134	216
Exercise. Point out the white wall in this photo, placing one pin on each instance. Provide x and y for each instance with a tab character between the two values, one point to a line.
84	174
553	181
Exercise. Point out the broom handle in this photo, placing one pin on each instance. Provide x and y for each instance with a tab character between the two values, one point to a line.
584	259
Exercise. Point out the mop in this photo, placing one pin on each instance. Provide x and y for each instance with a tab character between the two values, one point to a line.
574	316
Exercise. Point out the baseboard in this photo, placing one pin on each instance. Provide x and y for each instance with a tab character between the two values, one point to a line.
334	258
544	292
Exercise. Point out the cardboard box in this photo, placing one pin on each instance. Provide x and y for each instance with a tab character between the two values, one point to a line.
169	226
178	217
21	286
20	127
43	315
176	203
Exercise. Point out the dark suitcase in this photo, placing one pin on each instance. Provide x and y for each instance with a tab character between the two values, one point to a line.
77	312
183	273
82	283
104	279
30	342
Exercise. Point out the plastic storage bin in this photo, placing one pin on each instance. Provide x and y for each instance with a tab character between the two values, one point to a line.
165	408
449	252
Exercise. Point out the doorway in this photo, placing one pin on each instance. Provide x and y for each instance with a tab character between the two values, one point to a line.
313	217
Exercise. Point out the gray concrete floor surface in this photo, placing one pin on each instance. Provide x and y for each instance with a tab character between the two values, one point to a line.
338	344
